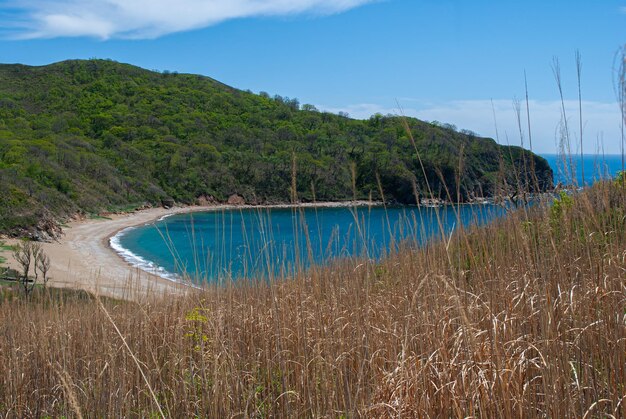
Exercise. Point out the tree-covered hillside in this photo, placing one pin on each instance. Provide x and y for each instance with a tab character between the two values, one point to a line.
84	136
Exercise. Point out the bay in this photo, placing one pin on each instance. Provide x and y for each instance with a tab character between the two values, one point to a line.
263	243
267	242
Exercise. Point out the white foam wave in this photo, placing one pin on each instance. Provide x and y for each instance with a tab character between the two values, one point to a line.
164	217
136	260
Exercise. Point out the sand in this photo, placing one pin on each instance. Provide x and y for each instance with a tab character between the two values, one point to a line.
83	259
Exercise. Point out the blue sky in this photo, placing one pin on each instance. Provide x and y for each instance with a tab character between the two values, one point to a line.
445	60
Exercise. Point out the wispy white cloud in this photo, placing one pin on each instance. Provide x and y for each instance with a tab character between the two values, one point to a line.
601	121
147	18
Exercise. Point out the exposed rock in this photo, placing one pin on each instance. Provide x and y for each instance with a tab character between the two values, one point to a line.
432	202
77	216
235	199
206	200
47	230
167	203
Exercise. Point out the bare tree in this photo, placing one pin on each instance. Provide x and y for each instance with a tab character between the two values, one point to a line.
43	264
29	254
23	255
36	253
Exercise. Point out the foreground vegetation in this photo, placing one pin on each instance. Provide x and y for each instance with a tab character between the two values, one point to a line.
87	136
525	317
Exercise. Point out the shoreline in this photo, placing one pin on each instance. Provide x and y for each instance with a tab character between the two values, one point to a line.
82	258
174	277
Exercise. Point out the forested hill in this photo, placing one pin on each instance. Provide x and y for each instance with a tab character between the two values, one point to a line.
85	136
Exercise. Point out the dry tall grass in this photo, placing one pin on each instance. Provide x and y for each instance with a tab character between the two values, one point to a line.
523	318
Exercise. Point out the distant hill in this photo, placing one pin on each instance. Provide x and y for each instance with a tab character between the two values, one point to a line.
86	136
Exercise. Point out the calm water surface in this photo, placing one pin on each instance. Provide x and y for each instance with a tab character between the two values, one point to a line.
255	243
263	242
595	167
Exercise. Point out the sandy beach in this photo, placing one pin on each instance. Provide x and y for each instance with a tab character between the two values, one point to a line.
83	259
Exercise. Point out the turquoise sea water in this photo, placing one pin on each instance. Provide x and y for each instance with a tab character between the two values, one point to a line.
255	243
263	242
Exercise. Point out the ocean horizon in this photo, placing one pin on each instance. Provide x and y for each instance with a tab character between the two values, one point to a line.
569	170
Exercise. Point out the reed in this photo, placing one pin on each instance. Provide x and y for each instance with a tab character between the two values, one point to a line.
523	317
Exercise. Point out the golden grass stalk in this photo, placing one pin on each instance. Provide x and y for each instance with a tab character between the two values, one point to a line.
523	317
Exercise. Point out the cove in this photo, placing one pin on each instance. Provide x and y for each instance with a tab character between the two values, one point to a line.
257	243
